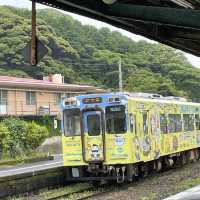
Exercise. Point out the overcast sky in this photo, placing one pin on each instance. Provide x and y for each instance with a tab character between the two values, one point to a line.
84	20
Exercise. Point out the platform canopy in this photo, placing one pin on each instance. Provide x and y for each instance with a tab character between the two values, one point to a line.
172	22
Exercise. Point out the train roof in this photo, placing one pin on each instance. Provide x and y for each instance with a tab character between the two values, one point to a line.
145	97
160	99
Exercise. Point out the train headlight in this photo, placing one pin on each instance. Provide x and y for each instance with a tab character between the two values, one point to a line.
114	100
71	102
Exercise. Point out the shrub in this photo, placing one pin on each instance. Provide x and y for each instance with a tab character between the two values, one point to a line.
19	137
3	138
15	141
35	135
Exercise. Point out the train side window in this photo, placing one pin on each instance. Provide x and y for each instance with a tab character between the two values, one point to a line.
145	123
163	123
171	124
178	122
175	123
188	120
132	121
197	122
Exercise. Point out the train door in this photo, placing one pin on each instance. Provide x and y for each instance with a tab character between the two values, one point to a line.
155	134
135	135
93	138
146	142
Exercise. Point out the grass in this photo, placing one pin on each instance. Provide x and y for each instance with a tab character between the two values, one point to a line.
151	196
28	158
186	184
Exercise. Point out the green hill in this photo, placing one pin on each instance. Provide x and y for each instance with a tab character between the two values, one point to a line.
84	54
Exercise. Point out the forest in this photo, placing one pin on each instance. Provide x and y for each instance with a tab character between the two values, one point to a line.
87	55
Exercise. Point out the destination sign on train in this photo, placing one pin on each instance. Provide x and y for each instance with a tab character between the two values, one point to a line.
92	100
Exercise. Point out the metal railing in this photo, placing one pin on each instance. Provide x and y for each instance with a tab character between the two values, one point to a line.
21	108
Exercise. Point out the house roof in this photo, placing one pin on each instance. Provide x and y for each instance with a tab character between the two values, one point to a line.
34	84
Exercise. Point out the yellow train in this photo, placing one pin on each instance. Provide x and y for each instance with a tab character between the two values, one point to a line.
121	135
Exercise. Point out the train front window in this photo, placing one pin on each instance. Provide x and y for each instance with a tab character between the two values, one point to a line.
72	122
94	125
116	119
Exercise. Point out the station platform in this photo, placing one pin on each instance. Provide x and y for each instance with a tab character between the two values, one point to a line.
190	194
32	167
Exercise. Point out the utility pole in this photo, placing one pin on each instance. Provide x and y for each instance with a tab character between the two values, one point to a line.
120	75
33	35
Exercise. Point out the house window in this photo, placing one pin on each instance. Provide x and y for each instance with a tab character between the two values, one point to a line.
30	98
3	97
57	98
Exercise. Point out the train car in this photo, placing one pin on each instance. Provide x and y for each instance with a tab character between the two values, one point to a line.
117	136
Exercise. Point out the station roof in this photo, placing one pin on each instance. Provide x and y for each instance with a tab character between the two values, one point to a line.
34	84
172	22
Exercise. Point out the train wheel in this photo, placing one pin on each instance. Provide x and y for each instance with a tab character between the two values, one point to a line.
144	170
183	159
158	165
197	154
191	156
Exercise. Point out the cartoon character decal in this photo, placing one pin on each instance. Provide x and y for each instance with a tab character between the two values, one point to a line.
156	132
146	146
137	148
119	140
95	152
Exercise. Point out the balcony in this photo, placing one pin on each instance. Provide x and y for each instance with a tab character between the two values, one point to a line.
20	108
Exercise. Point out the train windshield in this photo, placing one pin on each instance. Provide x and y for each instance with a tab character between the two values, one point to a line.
72	122
94	125
116	119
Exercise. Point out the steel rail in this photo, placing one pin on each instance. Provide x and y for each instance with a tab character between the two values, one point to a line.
67	194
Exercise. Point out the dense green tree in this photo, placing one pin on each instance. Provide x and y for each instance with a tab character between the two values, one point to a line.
15	35
146	81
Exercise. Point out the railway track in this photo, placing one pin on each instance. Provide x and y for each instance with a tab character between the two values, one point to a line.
68	194
81	194
81	191
95	194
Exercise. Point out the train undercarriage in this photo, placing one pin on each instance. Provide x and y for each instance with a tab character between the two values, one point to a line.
129	172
